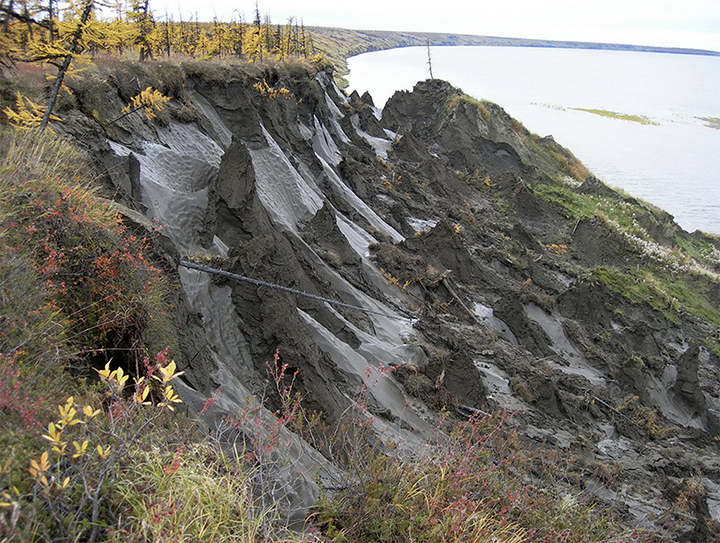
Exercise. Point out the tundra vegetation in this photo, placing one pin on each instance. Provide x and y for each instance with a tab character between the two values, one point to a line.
95	442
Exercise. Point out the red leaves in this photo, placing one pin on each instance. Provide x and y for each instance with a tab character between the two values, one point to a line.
177	459
91	266
15	396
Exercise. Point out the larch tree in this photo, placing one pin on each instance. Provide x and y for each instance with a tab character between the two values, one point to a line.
74	48
140	17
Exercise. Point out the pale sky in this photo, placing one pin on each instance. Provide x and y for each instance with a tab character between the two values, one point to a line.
671	23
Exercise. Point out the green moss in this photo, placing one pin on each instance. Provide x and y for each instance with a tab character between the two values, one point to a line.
704	248
690	293
673	279
577	205
714	345
664	292
636	287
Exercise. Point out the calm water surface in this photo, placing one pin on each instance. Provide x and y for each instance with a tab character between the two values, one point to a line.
673	163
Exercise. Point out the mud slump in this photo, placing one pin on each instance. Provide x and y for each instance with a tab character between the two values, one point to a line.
481	291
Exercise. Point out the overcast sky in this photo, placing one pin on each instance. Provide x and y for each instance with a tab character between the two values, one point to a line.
673	23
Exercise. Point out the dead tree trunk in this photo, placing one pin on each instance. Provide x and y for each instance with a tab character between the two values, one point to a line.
63	68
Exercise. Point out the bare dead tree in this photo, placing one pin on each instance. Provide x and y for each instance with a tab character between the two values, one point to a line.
63	68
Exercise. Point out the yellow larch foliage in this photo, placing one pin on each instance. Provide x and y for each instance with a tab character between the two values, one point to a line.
27	114
150	102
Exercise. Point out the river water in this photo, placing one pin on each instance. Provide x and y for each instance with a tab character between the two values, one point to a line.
672	161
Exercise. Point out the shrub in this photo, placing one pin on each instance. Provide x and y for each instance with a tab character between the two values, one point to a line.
98	287
75	288
134	470
472	483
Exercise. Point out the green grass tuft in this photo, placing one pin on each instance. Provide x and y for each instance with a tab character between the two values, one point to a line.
614	115
711	122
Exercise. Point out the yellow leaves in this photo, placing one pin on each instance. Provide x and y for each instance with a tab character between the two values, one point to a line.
67	414
150	102
168	373
103	453
395	281
6	466
115	379
77	437
557	248
89	412
285	93
80	448
54	433
266	90
27	114
38	468
54	436
141	392
105	373
253	43
7	500
46	50
169	398
67	419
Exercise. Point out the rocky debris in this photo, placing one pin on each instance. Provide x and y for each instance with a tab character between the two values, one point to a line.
484	291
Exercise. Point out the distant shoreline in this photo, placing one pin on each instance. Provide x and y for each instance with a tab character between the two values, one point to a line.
339	44
494	41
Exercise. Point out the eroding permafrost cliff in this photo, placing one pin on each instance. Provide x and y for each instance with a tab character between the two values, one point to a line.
499	275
